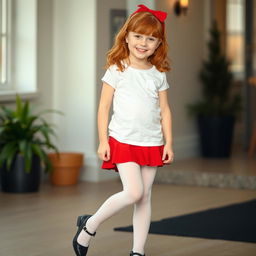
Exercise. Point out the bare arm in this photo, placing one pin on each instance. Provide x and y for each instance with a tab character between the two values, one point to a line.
107	93
166	126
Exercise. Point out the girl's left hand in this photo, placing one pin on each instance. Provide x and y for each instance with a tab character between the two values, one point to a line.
168	154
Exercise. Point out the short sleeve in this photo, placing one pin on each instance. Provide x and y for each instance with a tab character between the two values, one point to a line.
110	76
164	85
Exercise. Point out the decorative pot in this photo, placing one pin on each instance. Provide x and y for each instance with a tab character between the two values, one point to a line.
66	168
216	135
17	180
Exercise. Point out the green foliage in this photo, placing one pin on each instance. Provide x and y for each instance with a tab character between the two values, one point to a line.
217	82
22	132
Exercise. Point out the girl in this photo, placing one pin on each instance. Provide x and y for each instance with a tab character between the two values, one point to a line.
135	79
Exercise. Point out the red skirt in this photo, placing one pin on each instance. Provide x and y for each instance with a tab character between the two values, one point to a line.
142	155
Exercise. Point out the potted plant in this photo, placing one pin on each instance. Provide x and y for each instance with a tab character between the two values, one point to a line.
24	138
217	111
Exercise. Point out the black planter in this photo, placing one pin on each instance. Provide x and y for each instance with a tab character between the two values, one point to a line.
216	135
17	180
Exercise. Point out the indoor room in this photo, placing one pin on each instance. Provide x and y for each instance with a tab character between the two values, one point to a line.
166	167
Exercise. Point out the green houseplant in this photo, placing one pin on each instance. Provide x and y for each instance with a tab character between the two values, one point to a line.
220	105
24	138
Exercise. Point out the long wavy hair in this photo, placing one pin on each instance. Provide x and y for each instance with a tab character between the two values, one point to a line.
143	23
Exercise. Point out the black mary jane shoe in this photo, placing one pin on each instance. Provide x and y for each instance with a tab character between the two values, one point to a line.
79	249
136	253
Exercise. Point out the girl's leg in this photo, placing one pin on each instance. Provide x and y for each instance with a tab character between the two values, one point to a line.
142	210
130	175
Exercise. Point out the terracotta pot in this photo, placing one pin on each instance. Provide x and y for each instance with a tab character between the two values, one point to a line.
66	168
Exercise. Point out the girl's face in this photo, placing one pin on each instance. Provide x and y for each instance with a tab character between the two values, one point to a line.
141	46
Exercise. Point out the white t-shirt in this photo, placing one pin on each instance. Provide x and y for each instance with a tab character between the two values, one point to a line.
136	118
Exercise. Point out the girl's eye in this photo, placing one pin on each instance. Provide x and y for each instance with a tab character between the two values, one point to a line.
152	39
137	36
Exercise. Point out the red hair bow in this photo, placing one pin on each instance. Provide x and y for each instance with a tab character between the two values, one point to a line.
161	16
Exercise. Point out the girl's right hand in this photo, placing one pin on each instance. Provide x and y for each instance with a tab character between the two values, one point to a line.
104	151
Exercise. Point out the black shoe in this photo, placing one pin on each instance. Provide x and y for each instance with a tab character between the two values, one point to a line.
136	253
81	222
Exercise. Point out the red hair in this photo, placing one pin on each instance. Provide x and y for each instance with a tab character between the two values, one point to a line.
143	23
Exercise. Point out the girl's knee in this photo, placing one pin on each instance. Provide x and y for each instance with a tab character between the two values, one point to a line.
138	195
145	197
135	195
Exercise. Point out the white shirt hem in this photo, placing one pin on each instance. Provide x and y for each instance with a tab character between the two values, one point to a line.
137	143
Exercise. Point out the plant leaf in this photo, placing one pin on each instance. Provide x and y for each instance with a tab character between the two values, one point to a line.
18	106
22	147
7	153
28	158
9	113
25	112
10	158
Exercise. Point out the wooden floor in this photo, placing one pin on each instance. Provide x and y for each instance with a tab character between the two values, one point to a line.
43	224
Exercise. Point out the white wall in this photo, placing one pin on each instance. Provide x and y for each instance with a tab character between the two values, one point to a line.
45	55
74	79
132	5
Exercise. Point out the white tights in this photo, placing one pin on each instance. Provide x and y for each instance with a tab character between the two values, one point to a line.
137	183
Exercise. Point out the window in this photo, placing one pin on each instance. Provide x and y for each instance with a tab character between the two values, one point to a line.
18	49
235	35
5	42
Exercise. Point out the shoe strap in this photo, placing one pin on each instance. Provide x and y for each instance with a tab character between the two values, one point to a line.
88	232
136	253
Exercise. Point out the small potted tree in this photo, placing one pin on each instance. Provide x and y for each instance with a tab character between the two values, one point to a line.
24	138
217	111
